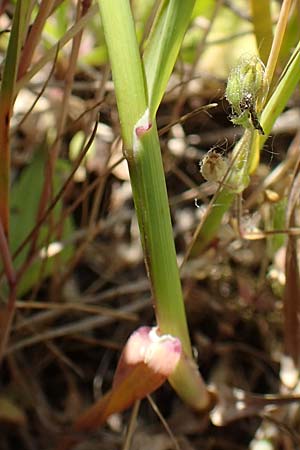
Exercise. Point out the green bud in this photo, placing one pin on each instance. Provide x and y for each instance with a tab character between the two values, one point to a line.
246	91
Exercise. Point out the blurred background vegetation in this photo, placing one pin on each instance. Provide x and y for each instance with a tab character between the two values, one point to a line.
73	270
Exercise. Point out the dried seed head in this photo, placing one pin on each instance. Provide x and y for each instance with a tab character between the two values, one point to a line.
213	166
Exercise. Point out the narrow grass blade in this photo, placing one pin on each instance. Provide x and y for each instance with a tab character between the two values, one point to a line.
271	63
163	46
6	105
278	38
286	86
262	22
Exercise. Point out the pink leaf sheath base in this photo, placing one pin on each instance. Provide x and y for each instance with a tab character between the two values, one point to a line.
141	130
147	360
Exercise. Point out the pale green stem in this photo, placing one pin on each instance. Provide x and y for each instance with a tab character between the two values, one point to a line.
277	41
142	151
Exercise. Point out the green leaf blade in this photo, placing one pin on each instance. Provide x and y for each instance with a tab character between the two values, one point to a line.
163	46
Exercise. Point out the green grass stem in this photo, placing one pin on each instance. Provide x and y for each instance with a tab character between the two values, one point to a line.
142	150
208	227
281	95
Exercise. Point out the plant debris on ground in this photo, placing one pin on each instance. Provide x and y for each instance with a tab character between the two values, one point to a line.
84	288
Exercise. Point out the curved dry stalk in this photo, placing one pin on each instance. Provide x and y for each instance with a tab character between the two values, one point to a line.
34	35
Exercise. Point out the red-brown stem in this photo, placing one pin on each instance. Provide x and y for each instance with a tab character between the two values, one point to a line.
34	36
5	114
82	9
54	152
7	97
11	279
291	306
291	302
52	51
